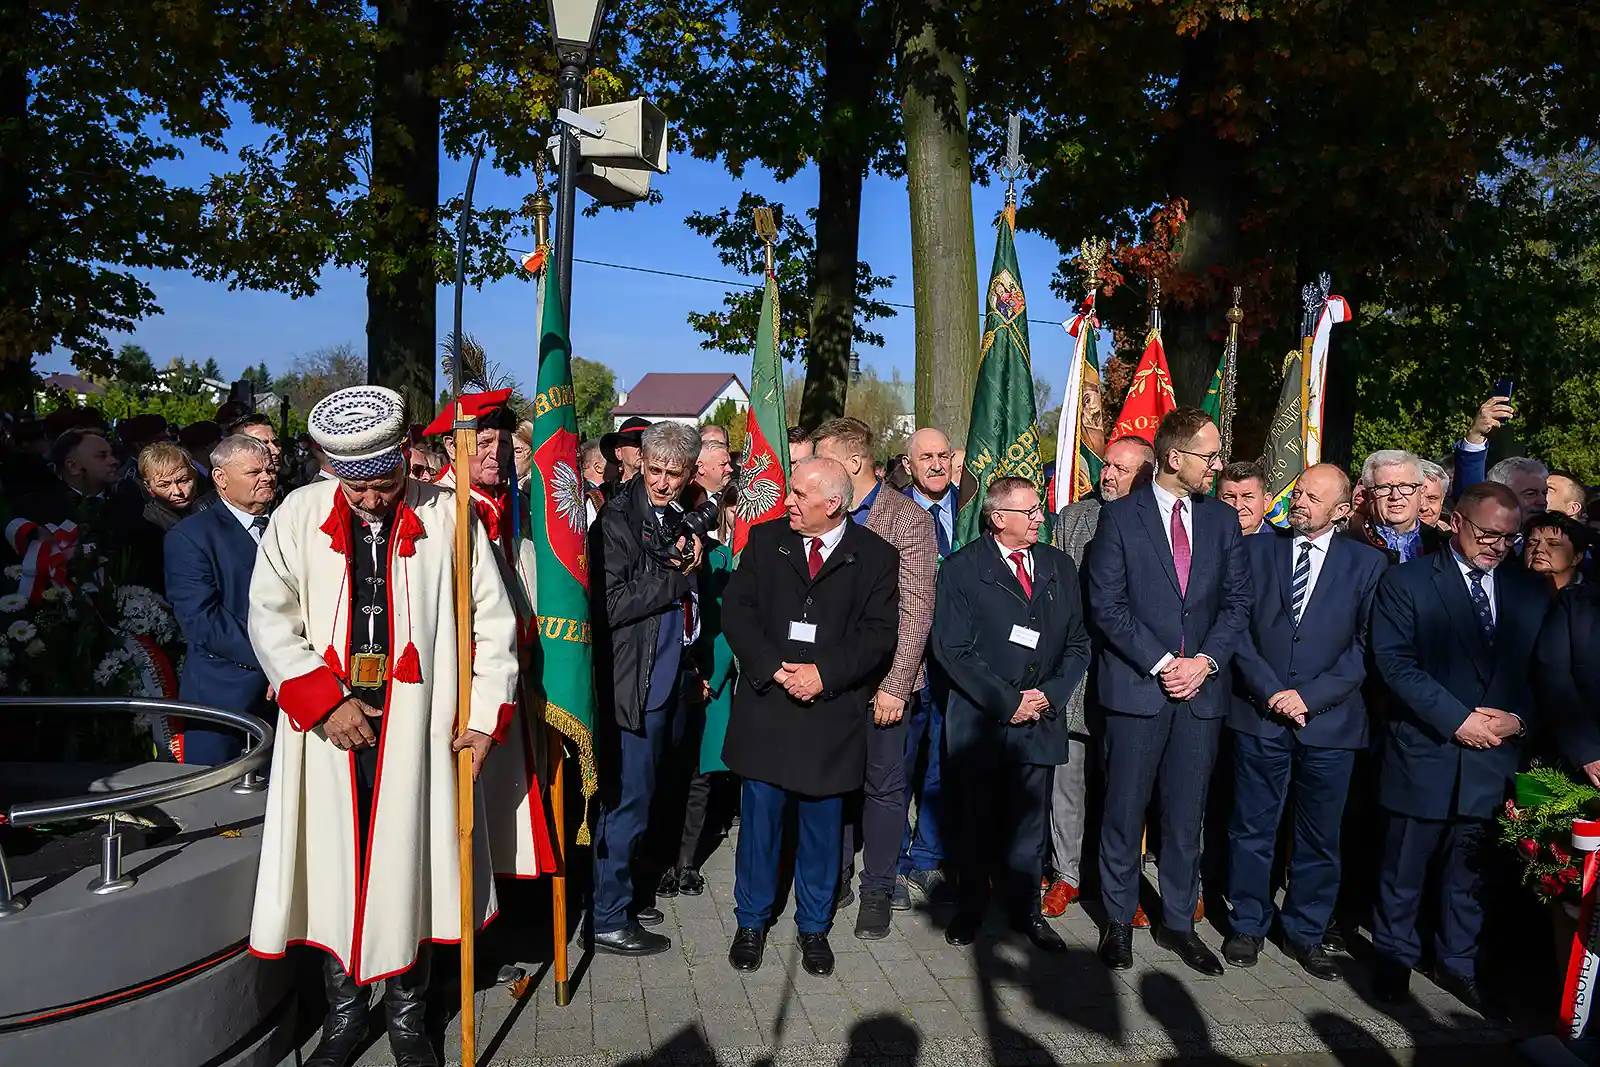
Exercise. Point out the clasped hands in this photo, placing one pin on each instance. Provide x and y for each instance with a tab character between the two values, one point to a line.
800	680
1032	705
1289	704
1182	677
1487	727
347	727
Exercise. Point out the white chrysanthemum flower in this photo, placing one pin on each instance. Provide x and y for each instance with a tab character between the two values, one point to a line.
14	572
110	667
12	603
22	631
34	648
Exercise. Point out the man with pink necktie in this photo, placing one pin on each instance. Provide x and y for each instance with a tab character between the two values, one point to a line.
1169	591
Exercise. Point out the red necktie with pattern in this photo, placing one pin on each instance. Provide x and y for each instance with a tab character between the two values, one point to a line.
1180	548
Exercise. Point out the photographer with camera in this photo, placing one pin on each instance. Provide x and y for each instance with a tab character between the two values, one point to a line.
644	549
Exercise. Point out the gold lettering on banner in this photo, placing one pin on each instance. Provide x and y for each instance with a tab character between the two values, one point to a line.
554	397
553	628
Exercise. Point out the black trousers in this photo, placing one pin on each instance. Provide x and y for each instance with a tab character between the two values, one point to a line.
876	818
1002	822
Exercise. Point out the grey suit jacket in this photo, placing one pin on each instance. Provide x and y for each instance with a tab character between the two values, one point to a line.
1074	528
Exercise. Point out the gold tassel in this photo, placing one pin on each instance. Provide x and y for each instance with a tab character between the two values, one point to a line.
583	828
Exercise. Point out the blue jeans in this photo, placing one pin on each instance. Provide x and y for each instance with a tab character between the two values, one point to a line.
923	849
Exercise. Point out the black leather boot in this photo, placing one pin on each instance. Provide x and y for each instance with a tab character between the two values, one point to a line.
349	1012
405	1001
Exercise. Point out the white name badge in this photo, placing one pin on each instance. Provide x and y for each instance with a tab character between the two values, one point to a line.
1021	635
805	631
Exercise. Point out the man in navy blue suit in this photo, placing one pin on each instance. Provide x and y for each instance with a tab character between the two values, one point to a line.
1452	635
1169	591
209	558
1297	712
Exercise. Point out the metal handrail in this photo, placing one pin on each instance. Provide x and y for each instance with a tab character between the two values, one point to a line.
241	771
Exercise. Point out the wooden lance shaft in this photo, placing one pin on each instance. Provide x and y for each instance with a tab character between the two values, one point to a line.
466	445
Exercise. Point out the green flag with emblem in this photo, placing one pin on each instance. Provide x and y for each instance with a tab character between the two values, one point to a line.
1003	439
563	667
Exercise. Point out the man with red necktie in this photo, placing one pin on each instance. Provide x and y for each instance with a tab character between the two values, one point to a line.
1010	638
811	612
1169	588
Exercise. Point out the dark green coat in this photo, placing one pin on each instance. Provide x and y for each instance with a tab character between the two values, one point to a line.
714	657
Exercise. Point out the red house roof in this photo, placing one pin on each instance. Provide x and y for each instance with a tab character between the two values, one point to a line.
71	383
680	395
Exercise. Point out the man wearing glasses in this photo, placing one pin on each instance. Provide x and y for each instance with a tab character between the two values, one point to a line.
1391	479
1453	636
1169	588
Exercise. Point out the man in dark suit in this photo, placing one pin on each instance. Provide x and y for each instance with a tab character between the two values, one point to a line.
1297	712
811	613
209	558
1452	635
1011	640
1169	589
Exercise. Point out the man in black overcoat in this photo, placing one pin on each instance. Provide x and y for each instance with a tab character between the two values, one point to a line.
811	613
1009	638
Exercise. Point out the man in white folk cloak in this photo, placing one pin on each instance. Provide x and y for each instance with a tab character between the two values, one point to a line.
351	615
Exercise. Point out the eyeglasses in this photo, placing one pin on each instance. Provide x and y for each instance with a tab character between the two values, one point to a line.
1403	488
1037	511
1488	538
1207	458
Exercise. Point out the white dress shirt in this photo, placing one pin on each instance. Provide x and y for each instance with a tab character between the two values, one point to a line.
1487	581
830	540
1164	502
1005	554
1319	556
247	520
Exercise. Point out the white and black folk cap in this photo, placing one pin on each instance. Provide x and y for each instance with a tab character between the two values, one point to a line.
362	430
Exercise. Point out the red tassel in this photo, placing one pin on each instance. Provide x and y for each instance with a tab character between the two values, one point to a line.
331	658
409	667
337	526
407	529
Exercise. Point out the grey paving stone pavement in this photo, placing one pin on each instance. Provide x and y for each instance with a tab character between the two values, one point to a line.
911	1000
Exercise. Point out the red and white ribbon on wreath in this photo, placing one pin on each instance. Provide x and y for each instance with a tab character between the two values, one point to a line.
45	551
1578	992
160	682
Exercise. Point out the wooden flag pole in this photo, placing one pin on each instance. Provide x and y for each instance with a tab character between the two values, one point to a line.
558	879
466	445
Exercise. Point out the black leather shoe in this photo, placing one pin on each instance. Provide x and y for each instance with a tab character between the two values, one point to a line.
748	945
1191	950
846	897
1333	937
1391	983
649	917
405	1003
668	885
1314	958
1116	946
631	940
963	929
872	920
690	882
1463	987
1042	934
349	1015
816	955
1242	950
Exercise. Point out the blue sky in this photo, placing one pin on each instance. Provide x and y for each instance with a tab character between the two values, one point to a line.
633	322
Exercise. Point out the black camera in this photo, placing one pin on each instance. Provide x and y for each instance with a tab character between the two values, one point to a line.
680	522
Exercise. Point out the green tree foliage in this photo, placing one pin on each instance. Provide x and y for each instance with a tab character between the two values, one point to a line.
134	368
94	97
319	372
258	376
733	234
730	417
594	389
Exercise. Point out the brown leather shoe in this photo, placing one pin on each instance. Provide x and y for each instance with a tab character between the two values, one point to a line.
1060	894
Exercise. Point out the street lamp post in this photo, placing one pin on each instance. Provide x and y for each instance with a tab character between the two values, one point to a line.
575	26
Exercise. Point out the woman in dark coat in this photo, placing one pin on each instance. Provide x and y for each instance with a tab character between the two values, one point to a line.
1566	675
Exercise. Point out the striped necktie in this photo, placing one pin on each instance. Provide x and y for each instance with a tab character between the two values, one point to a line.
1301	581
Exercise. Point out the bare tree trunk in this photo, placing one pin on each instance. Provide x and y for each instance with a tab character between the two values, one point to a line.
402	278
944	256
851	67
